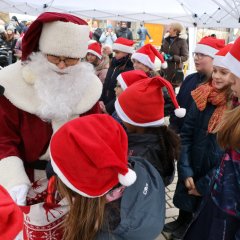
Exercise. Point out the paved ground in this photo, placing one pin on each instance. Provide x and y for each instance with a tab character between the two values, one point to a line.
171	211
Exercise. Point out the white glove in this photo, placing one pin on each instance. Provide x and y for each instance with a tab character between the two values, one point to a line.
19	194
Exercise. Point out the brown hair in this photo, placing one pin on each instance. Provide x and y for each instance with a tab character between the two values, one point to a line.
85	217
229	129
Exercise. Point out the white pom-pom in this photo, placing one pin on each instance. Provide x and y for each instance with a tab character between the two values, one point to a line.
164	65
128	179
180	112
28	75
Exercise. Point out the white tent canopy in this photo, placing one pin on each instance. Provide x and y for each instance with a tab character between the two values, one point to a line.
207	13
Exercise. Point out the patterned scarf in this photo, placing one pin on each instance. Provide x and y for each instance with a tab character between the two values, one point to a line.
207	93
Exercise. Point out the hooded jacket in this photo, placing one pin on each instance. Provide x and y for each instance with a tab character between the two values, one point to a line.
142	206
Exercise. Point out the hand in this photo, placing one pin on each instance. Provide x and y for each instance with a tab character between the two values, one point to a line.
189	183
102	106
19	194
194	192
107	33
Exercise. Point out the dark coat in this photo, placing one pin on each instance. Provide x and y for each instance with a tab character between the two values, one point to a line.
148	147
117	66
185	99
200	155
124	33
142	206
178	49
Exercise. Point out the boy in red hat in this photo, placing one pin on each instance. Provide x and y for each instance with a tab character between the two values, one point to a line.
46	89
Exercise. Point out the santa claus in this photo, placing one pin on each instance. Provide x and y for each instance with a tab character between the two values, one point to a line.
47	88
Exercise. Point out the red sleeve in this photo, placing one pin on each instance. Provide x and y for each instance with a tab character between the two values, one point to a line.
94	110
9	133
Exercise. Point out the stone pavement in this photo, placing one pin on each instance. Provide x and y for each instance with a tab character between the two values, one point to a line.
171	211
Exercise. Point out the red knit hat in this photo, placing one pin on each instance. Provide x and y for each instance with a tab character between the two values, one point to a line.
219	56
123	45
232	59
142	104
146	55
89	155
11	217
126	79
95	49
209	46
58	34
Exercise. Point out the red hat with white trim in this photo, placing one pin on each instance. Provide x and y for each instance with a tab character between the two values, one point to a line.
11	216
123	45
89	154
142	104
126	79
57	34
146	55
95	49
209	46
232	59
219	56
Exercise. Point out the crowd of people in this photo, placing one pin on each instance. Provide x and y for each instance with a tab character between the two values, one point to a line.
85	152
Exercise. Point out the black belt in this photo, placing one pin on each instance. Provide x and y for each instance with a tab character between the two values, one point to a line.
39	164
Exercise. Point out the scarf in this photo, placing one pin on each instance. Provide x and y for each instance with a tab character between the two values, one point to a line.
206	93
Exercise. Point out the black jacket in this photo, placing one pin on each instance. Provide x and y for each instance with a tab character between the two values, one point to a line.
148	147
200	155
116	67
124	33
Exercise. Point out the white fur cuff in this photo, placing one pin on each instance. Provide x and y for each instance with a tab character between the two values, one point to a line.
12	172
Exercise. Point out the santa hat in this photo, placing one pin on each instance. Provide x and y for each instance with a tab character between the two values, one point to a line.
126	79
142	104
146	55
232	59
219	56
123	45
209	46
95	49
58	34
11	216
89	155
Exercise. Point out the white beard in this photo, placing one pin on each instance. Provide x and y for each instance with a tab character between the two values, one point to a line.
59	91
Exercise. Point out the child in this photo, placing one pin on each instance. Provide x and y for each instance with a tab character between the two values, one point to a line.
121	62
141	108
109	197
99	61
219	218
144	59
200	152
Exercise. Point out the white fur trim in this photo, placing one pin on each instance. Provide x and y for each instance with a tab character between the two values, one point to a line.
12	172
94	53
206	50
164	65
23	96
218	61
122	48
128	179
121	82
64	39
125	118
231	63
180	112
67	183
144	59
28	75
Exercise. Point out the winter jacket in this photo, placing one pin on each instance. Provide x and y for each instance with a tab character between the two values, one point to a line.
142	206
102	68
178	49
143	32
147	146
116	67
200	155
108	39
185	99
124	33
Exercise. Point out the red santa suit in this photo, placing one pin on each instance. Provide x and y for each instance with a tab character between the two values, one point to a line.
24	137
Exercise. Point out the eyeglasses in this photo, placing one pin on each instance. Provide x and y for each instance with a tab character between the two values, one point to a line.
198	55
56	60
